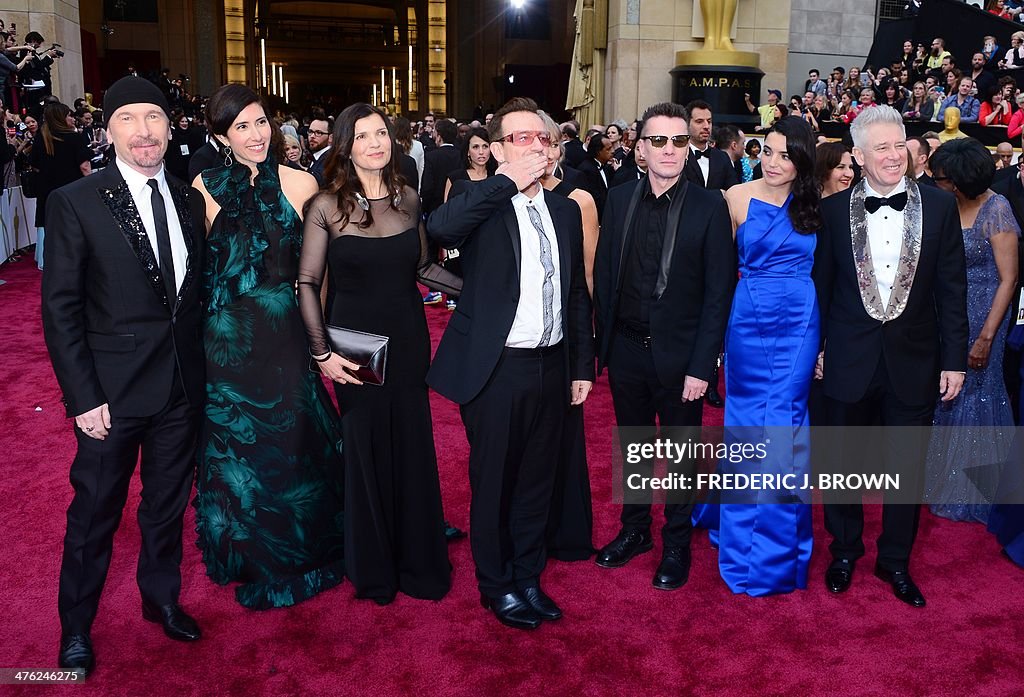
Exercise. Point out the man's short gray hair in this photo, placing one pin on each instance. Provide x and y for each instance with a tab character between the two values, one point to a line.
872	116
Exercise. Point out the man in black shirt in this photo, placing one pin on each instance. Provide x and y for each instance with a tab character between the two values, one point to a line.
984	79
663	280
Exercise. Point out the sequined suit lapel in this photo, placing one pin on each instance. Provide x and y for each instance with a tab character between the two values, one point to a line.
910	254
122	207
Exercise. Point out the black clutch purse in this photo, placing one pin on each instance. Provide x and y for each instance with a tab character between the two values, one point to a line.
368	351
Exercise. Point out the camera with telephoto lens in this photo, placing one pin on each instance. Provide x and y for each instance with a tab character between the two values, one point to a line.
56	49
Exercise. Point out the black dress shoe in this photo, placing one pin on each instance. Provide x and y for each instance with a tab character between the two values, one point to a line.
712	397
839	575
903	587
176	623
626	545
674	569
512	610
544	606
76	654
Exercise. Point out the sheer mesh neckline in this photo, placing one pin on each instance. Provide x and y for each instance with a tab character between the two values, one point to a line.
387	221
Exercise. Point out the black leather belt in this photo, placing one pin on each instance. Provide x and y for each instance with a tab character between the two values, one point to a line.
634	335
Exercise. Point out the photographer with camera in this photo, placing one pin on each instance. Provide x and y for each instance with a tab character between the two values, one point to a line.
7	66
36	83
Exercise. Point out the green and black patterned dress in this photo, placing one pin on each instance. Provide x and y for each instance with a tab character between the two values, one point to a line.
270	495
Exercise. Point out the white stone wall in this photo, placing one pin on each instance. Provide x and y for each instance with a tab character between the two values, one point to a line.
824	34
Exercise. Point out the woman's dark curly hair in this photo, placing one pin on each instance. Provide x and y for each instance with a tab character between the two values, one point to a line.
340	178
804	209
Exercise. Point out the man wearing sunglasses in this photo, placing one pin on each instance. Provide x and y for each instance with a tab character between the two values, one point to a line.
663	280
517	351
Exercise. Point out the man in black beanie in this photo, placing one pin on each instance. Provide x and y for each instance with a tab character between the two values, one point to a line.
121	317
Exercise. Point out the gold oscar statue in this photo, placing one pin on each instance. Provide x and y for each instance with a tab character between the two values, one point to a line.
718	16
951	121
718	50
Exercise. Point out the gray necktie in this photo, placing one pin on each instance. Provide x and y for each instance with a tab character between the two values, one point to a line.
548	289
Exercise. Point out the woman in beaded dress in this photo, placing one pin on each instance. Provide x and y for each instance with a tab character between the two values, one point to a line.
972	434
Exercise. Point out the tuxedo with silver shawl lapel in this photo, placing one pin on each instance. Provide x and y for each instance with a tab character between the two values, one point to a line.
882	361
115	338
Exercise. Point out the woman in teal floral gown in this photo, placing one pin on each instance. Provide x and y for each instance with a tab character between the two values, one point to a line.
269	489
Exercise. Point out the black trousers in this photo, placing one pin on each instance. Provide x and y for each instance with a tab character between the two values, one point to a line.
640	400
902	450
514	428
100	474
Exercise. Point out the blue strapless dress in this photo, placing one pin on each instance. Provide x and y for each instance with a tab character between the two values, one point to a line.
765	536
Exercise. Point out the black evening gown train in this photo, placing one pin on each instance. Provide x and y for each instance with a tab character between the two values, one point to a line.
570	529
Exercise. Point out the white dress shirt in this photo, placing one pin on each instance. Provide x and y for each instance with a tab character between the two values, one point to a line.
703	162
885	238
142	195
528	325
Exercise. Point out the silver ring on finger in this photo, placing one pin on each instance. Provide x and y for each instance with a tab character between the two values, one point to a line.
89	429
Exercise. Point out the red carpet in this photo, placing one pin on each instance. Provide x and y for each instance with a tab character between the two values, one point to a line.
619	634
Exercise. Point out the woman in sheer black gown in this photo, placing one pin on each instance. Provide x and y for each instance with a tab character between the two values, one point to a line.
571	519
364	229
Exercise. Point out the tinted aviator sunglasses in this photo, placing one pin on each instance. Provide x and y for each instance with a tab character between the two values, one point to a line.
524	138
680	141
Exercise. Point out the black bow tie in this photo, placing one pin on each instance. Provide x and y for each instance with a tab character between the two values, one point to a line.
702	153
896	202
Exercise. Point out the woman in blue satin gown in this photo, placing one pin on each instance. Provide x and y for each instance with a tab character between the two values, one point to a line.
771	347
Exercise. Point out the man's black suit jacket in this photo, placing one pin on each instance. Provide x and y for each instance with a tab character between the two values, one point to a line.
688	321
437	165
721	172
203	159
590	171
427	141
575	153
627	174
480	221
316	167
113	335
929	336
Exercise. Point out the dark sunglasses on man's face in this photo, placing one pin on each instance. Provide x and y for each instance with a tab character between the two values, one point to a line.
679	141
